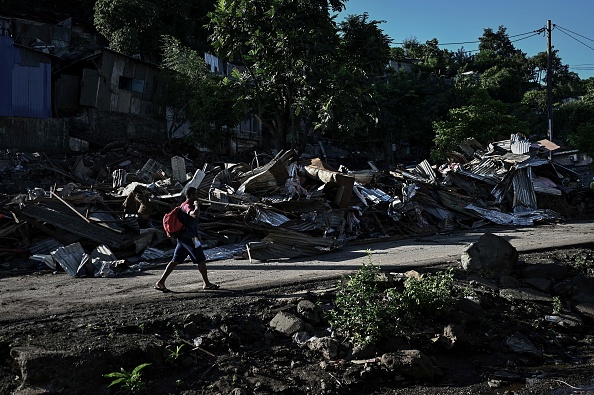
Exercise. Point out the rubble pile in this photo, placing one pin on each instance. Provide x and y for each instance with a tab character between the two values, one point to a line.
105	216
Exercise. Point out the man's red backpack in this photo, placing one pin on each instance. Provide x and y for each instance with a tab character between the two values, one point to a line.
172	222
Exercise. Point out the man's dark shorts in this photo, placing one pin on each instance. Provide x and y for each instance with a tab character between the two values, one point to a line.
185	248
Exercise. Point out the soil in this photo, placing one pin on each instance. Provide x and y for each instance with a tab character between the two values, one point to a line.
221	342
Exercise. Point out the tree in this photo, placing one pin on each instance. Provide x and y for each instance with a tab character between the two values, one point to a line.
136	26
364	45
503	84
348	108
484	118
123	22
195	94
497	42
573	120
285	47
430	59
565	83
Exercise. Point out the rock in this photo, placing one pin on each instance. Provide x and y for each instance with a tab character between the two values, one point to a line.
507	281
522	345
268	338
563	288
287	323
541	284
585	289
327	346
534	271
586	310
490	253
191	328
455	334
555	271
470	307
308	309
363	351
410	363
525	294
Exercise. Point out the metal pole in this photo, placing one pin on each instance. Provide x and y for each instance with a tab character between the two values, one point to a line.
550	84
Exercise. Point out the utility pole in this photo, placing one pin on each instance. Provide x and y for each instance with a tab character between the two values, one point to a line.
550	84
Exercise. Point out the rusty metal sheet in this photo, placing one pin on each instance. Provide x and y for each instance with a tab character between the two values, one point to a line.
275	175
77	225
287	244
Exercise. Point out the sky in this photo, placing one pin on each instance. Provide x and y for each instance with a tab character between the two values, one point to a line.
464	21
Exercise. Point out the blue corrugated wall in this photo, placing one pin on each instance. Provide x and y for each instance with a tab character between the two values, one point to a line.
6	55
25	84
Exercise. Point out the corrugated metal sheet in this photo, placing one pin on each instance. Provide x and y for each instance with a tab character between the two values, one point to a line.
267	216
44	246
287	244
31	84
485	170
425	170
6	61
524	196
70	258
63	219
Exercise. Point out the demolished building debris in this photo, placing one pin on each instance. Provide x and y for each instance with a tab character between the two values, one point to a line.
104	219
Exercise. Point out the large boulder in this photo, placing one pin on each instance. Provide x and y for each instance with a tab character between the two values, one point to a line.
490	254
410	363
287	323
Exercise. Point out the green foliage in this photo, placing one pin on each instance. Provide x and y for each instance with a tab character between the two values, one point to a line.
174	354
424	298
362	311
583	138
536	100
211	103
575	121
502	83
557	305
484	119
288	49
366	313
130	382
123	22
136	26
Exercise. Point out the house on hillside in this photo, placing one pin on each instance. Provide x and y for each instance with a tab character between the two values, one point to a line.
111	96
402	64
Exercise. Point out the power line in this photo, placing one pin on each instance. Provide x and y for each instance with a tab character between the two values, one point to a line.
569	35
560	27
533	33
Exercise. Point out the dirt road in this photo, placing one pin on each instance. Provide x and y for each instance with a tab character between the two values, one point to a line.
34	295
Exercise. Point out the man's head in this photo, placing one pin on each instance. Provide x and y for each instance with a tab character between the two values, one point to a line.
191	193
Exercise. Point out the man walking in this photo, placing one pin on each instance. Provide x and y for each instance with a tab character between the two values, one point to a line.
188	242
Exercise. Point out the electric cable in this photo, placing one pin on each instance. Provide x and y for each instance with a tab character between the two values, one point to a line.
533	33
569	35
561	27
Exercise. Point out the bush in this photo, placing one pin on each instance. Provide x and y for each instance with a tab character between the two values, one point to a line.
366	314
362	311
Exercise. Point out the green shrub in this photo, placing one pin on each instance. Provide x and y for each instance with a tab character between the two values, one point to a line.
362	311
365	313
425	298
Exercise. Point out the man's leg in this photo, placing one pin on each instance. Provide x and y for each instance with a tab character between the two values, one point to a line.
161	283
204	274
179	255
